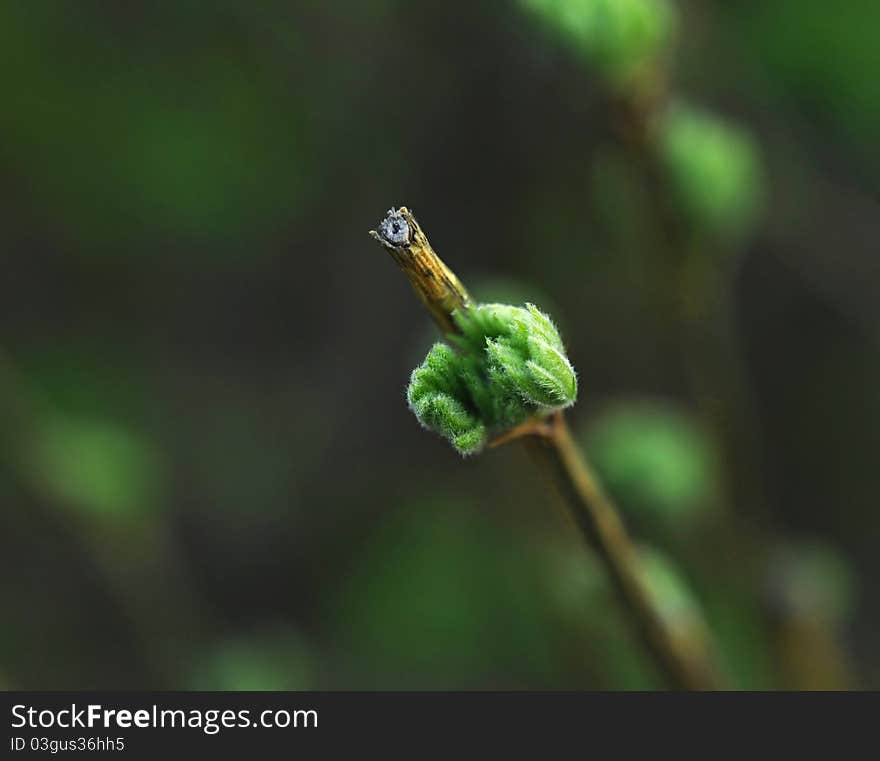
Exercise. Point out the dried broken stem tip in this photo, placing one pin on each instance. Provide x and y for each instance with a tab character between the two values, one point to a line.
437	286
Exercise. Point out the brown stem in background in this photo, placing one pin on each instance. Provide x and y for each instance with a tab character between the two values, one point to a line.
684	660
809	656
695	296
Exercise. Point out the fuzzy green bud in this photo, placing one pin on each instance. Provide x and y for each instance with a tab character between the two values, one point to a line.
620	38
508	364
714	170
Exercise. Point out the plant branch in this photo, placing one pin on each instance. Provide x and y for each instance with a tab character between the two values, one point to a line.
682	658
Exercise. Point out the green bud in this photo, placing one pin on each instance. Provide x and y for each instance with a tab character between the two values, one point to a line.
714	170
655	460
619	37
509	364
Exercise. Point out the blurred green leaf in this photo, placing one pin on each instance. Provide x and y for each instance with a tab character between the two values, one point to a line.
113	139
439	599
98	468
825	62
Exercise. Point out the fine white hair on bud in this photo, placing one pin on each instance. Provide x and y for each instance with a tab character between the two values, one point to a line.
508	364
394	229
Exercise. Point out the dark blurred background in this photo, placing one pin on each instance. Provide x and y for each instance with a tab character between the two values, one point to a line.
208	474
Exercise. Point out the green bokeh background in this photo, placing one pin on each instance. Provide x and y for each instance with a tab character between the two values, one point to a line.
208	474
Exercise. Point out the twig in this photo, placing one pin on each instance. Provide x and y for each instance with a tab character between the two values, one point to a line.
682	659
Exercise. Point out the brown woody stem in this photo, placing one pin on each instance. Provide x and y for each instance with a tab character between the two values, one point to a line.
683	657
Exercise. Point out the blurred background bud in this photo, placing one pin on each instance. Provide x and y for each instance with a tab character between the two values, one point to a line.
714	170
811	580
676	601
656	461
622	39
